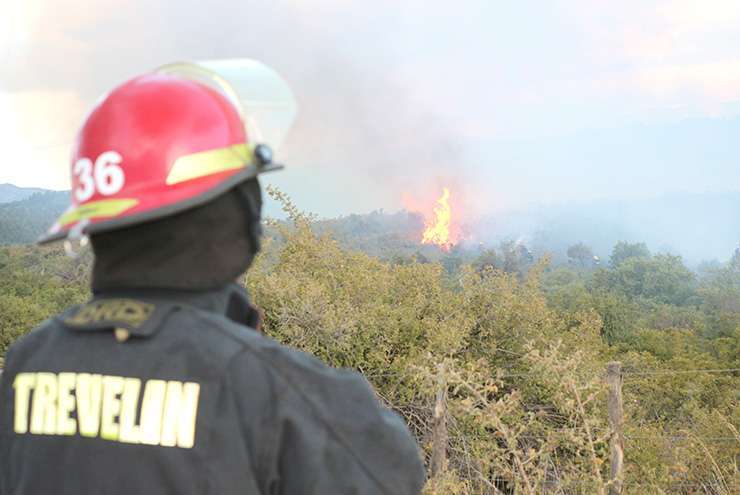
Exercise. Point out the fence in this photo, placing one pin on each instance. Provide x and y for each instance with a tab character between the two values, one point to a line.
443	434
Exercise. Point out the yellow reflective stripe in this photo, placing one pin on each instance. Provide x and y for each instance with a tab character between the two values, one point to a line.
210	162
107	407
102	208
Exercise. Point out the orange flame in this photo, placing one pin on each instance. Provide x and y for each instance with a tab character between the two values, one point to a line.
438	229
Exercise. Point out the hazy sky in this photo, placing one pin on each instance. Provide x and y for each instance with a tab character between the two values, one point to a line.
508	102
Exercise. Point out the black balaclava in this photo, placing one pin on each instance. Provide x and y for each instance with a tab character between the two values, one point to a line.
206	247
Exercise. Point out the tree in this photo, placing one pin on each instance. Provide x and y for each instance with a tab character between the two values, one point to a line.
623	251
735	261
420	258
581	254
487	260
516	257
663	278
720	295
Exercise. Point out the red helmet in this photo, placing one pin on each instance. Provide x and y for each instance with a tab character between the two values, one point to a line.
171	140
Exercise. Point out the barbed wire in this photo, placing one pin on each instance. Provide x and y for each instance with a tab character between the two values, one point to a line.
555	484
539	373
679	372
564	484
601	431
680	437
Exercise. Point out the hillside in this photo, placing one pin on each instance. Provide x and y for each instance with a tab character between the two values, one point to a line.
697	227
24	221
10	192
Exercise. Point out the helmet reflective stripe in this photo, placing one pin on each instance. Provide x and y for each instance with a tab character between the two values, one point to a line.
102	208
210	162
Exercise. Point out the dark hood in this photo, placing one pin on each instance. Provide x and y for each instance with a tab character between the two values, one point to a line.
206	247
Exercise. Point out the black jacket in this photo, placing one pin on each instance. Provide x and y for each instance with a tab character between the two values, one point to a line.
165	392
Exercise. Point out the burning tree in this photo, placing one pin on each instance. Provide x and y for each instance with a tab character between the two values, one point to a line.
441	227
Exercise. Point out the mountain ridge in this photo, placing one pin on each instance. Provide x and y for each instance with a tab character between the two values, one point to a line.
10	192
25	220
697	226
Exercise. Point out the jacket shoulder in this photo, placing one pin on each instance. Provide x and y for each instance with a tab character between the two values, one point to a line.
286	361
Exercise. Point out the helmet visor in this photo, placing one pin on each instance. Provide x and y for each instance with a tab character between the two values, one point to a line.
261	96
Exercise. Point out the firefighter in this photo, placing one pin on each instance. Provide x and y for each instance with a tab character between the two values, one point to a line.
160	384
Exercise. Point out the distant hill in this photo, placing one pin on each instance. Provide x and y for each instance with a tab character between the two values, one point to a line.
697	226
24	221
380	234
10	193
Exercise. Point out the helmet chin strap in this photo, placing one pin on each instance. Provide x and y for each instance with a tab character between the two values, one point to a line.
252	204
76	235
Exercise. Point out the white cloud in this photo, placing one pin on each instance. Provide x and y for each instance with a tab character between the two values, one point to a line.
37	129
390	90
704	84
639	31
17	24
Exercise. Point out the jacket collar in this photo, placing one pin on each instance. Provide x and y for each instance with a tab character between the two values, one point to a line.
213	300
142	312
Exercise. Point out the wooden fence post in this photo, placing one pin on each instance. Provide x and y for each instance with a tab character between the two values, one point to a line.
616	423
439	426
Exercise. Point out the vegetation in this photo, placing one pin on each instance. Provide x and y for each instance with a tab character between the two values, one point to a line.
26	220
518	346
37	283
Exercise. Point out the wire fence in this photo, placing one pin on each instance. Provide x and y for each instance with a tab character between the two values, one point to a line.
625	373
679	372
462	442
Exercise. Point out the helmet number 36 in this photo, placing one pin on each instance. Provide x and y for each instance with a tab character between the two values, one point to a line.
106	176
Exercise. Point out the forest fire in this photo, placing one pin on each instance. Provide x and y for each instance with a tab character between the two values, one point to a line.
438	228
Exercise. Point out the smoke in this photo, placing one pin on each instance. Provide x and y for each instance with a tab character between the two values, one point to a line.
362	136
583	102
